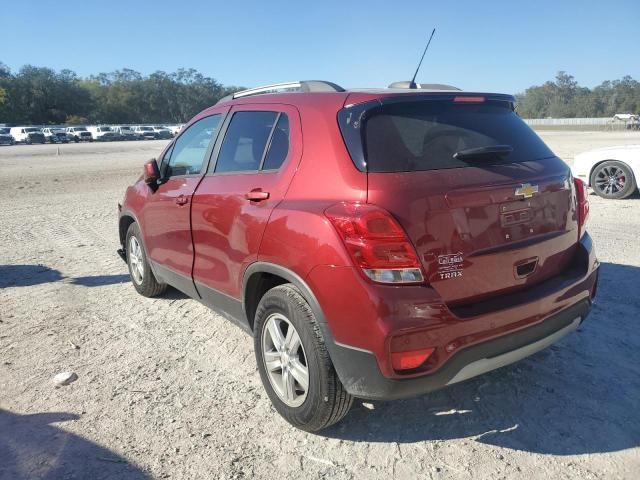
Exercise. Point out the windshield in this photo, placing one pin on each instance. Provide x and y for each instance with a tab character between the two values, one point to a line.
105	129
429	135
4	130
146	129
80	129
32	130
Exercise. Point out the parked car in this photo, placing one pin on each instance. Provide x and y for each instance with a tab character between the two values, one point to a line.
79	134
145	132
5	136
102	133
611	172
174	129
124	132
162	133
55	135
27	135
378	244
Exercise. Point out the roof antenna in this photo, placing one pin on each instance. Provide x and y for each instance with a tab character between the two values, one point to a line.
412	84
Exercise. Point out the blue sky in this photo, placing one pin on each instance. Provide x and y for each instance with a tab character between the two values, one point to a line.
501	46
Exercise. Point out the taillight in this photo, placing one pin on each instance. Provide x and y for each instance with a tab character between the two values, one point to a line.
376	243
582	204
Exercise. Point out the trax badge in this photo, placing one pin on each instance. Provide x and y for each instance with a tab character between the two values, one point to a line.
527	190
450	265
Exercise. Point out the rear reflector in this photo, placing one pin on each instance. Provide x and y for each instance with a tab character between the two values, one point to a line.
463	99
410	360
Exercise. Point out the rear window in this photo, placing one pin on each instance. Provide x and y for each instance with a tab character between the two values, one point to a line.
407	136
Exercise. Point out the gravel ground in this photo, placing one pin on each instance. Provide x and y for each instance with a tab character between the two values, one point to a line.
168	389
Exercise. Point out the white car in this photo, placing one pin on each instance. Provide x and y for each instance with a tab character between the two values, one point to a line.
611	172
102	133
175	129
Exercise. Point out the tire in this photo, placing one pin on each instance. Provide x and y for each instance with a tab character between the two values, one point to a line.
613	180
325	401
140	272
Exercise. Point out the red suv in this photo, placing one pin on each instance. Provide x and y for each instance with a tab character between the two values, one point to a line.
377	244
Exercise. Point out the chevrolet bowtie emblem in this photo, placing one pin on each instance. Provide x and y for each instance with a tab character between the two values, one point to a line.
527	190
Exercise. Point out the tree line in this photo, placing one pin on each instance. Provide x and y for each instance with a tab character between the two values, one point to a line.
41	96
564	98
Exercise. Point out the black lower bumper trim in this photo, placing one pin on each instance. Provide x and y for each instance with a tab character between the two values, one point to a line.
359	372
122	254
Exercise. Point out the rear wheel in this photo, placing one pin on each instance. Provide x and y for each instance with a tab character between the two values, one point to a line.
140	272
613	180
294	364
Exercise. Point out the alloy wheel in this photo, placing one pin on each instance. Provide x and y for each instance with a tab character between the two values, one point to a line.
610	180
285	360
136	260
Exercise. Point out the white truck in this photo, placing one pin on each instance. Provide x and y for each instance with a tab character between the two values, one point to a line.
27	135
102	133
55	135
79	134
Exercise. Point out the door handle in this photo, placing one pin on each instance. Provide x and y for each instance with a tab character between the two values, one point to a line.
256	195
182	199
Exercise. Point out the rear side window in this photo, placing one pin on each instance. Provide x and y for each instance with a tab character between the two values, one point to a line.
426	135
279	145
254	141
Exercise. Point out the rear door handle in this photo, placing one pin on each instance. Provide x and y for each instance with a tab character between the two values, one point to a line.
182	199
256	195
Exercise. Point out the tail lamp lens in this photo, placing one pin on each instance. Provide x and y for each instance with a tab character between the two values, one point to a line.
582	204
376	243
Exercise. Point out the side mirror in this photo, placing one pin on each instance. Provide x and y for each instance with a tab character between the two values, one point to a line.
151	173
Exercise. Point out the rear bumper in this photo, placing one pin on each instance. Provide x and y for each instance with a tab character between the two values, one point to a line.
362	377
360	319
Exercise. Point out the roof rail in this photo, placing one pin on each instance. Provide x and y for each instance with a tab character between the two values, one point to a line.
423	86
299	86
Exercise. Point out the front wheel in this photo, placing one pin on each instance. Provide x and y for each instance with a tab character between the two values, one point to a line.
294	364
140	272
613	180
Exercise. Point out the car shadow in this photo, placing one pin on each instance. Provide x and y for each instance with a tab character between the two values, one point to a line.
579	396
99	280
29	275
31	447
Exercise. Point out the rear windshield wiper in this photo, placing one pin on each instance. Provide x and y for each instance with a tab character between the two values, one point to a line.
488	151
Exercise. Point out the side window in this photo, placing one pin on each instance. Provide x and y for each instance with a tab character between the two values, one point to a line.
186	156
245	141
279	145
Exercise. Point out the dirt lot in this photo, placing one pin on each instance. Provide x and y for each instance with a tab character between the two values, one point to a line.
167	389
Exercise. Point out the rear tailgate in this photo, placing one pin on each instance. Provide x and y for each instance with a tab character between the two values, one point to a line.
483	223
475	237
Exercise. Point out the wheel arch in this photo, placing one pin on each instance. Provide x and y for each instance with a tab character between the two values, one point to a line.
125	221
259	277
